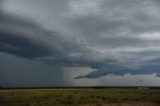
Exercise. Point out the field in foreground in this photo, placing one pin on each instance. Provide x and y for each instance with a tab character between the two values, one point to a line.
80	97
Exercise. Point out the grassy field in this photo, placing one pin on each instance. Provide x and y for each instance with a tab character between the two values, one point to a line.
80	97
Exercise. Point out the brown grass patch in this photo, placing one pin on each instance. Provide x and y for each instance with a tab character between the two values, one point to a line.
125	104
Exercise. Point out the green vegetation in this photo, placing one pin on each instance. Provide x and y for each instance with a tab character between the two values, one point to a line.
74	97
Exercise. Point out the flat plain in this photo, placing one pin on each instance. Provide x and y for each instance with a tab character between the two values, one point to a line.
80	97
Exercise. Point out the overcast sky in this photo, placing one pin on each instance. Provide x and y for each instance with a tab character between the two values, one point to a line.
79	43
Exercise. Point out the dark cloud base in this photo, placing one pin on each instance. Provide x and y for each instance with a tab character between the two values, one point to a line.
24	37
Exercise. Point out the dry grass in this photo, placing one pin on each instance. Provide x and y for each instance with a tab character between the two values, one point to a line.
125	104
77	97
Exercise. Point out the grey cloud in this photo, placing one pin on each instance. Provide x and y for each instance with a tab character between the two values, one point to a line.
25	37
105	37
22	47
16	36
146	69
105	70
121	28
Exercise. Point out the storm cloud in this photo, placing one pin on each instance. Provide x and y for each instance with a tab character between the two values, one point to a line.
112	37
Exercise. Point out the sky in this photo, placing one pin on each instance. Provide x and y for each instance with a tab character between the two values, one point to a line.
79	43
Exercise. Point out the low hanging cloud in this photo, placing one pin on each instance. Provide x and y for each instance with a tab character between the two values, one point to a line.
112	37
21	36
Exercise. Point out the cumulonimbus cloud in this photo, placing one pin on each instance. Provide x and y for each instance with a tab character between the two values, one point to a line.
117	41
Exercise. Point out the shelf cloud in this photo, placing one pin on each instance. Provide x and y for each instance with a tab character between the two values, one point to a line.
112	37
